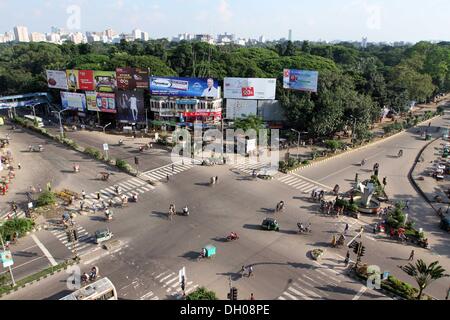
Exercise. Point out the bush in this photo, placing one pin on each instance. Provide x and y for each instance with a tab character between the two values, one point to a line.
70	143
46	198
21	226
305	163
334	144
97	154
121	164
400	288
202	294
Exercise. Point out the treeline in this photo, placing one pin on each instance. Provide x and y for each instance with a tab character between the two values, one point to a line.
353	82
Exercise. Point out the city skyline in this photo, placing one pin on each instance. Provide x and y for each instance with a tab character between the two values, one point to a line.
382	21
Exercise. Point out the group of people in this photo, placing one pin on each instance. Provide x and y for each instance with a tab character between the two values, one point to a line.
248	269
318	195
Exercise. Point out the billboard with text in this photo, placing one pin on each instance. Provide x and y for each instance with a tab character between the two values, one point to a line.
240	108
105	81
57	79
250	88
72	79
101	102
302	80
86	80
132	78
75	101
130	106
184	87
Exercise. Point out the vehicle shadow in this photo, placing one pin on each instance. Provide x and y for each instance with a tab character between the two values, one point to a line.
67	171
266	210
203	184
252	226
191	255
97	218
234	276
392	157
158	214
220	239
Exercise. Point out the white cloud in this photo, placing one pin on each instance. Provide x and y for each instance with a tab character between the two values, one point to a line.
225	11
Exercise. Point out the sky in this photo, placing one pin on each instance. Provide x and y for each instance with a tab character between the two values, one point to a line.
379	20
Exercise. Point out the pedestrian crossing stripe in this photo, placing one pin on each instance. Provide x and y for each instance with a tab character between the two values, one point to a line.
261	167
170	282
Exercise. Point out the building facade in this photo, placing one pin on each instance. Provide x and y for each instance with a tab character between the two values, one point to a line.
21	34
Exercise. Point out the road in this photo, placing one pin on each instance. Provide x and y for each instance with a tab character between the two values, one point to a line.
153	248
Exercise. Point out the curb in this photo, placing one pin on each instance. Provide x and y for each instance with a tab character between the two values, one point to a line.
360	148
390	294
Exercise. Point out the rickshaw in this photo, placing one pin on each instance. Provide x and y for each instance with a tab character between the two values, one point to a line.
103	235
337	242
104	176
428	137
76	168
208	252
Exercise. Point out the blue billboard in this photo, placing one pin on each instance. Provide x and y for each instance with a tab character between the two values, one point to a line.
184	87
302	80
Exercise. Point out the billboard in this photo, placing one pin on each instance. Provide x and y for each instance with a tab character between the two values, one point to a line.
72	79
250	88
184	87
101	102
86	80
132	78
105	81
57	79
72	100
240	108
130	106
6	258
302	80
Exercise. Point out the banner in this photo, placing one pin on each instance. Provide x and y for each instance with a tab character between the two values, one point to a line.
101	102
72	79
250	88
86	80
57	79
217	114
6	259
184	87
105	81
239	108
132	78
130	106
70	100
302	80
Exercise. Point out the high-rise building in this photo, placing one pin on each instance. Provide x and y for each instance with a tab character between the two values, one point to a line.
262	39
290	35
38	37
145	36
76	38
54	38
110	33
21	34
137	34
364	42
9	37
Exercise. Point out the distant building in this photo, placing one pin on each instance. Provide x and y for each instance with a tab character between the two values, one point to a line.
127	37
137	34
290	35
205	38
262	39
53	37
225	38
110	33
145	36
364	43
38	37
9	37
76	38
21	34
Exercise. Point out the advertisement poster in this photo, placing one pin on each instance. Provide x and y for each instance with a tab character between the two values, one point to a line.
105	81
57	79
101	102
239	108
130	106
6	259
184	87
250	88
86	80
70	100
302	80
72	79
132	78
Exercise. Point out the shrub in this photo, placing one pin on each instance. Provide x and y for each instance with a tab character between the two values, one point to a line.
21	226
46	198
97	154
202	294
305	162
334	144
121	164
400	288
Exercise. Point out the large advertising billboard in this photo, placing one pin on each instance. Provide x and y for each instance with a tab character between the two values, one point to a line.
101	102
303	80
105	81
239	108
130	106
250	88
72	100
86	80
57	79
184	87
72	79
132	78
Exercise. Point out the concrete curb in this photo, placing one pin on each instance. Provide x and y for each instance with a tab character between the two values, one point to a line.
358	148
351	274
15	289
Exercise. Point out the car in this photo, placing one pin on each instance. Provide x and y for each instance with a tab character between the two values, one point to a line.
103	235
445	224
270	224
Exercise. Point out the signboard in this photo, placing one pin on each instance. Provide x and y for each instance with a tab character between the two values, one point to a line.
184	87
188	102
6	258
86	80
101	102
239	108
251	145
132	78
57	79
72	79
202	114
130	106
105	81
302	80
70	100
105	147
250	88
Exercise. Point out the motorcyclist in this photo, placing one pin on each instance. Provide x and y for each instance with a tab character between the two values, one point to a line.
400	153
120	142
336	189
84	277
30	148
363	162
172	208
135	197
186	211
93	274
280	206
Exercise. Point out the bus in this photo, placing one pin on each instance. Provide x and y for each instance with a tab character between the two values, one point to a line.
38	120
102	289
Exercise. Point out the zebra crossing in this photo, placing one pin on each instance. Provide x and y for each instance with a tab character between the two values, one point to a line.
303	184
249	166
149	296
11	215
168	170
85	240
170	282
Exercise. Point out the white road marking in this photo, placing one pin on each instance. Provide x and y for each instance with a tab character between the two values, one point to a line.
44	250
170	275
360	293
147	295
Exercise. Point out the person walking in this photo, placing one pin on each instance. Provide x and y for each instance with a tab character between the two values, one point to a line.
361	231
356	177
384	182
83	194
411	256
81	205
19	166
168	178
252	297
173	168
242	271
347	258
98	196
250	271
407	204
346	228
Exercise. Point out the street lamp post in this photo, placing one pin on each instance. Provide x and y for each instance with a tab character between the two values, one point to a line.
61	128
298	143
104	128
10	270
354	129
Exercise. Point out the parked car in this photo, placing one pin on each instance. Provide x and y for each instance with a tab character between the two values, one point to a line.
270	224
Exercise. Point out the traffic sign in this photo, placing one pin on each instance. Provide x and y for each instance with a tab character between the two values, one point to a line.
6	258
105	147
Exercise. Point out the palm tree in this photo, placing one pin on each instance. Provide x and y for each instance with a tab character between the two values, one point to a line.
423	274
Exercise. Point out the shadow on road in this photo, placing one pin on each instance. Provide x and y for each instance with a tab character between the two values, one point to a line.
159	215
252	226
191	255
203	184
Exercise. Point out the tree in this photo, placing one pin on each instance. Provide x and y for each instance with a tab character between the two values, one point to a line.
251	122
202	294
424	275
306	47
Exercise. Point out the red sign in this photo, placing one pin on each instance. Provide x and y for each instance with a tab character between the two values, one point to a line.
86	80
202	114
248	92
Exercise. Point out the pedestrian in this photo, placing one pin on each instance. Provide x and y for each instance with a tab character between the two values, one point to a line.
250	271
83	194
217	179
385	181
376	172
407	204
347	258
19	166
357	177
252	297
411	256
39	188
98	196
346	228
242	271
173	168
81	205
168	178
448	293
361	231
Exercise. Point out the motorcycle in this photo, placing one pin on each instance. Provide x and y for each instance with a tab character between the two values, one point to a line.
120	143
302	229
232	237
186	212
